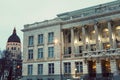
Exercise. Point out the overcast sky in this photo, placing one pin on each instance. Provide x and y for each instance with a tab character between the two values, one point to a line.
17	13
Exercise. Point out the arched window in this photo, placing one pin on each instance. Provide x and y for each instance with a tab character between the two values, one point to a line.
92	35
105	33
117	34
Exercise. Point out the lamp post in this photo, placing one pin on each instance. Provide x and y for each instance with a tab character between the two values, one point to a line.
60	45
75	72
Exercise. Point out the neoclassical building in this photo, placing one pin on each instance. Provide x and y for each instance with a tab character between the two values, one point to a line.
79	43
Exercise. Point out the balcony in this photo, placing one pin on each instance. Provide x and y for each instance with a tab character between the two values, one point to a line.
102	53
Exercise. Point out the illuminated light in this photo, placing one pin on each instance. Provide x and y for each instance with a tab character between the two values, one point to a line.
75	42
18	66
99	38
108	45
75	69
118	27
94	67
105	30
55	41
86	40
93	31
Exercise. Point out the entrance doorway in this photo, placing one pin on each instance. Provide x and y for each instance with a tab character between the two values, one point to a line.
118	64
105	68
92	68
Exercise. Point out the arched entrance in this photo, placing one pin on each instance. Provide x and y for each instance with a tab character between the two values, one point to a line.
105	68
92	68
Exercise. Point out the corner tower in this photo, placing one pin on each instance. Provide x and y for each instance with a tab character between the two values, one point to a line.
14	45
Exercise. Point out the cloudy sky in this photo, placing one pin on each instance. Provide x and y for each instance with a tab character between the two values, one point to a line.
17	13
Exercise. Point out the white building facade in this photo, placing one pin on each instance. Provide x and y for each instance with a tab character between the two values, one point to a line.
80	43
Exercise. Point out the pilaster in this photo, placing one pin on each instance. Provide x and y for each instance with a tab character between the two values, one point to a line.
83	38
85	67
98	68
110	34
72	40
96	36
113	65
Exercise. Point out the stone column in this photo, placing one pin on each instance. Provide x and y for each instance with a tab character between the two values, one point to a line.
61	44
113	65
110	34
96	36
84	38
85	67
72	41
98	68
114	40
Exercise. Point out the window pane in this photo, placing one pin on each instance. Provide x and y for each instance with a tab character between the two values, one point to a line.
51	68
30	41
67	67
40	53
30	54
40	68
50	52
30	69
40	39
50	37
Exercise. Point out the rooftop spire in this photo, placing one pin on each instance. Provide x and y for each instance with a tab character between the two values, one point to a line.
14	31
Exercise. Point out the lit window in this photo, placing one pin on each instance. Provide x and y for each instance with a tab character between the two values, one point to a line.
51	68
67	67
105	33
50	37
30	69
92	35
117	31
40	68
93	47
40	53
30	54
79	67
106	46
50	52
80	37
40	39
30	41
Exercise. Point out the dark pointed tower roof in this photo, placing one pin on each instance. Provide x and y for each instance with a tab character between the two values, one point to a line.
14	37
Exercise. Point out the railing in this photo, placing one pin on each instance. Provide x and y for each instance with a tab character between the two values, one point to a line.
102	53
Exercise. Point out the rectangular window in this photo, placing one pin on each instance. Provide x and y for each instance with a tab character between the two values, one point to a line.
51	68
40	39
30	41
30	69
40	69
79	67
30	54
50	52
69	37
69	50
40	53
50	37
67	67
93	47
80	49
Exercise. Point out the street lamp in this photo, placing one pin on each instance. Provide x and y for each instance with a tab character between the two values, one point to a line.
56	42
75	72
